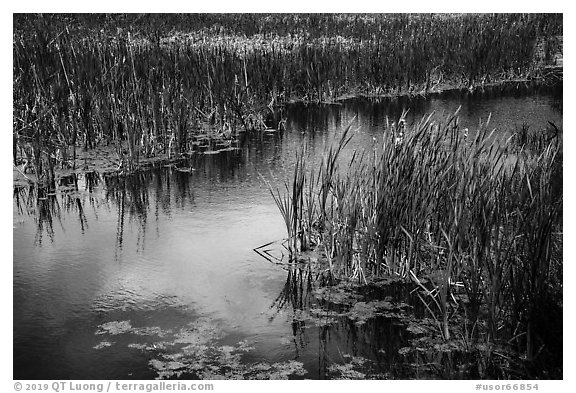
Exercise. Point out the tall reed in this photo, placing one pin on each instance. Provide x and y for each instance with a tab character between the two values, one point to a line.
452	208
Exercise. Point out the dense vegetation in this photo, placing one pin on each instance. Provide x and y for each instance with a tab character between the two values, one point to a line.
475	223
150	83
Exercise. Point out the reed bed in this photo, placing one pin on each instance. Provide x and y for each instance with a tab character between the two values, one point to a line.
455	213
150	83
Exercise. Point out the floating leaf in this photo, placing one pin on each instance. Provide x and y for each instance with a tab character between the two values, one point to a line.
114	327
103	344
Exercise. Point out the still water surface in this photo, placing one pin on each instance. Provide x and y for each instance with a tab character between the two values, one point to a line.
122	277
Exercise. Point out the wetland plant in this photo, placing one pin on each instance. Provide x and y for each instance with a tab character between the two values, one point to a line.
88	80
479	224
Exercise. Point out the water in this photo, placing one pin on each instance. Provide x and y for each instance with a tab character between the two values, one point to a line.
155	275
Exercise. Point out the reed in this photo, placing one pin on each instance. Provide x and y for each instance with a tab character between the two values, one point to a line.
462	212
151	83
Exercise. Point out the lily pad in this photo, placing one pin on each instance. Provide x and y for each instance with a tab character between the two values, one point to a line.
103	344
350	369
362	311
114	327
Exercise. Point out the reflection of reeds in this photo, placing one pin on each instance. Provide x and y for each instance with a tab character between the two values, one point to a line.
296	292
41	204
71	198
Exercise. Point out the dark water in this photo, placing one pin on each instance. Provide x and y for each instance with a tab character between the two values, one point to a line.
120	277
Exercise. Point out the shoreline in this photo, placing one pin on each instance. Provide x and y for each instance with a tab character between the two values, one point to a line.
99	158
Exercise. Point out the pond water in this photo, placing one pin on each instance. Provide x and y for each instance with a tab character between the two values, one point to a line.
155	275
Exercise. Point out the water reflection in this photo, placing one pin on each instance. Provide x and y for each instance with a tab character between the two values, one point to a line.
166	245
43	207
296	291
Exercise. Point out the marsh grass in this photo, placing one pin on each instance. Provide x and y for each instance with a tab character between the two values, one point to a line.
144	85
463	212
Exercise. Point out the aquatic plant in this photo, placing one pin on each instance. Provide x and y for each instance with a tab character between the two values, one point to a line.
148	88
450	212
195	351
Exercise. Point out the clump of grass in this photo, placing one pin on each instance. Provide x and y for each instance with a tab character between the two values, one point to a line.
464	212
536	141
292	208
